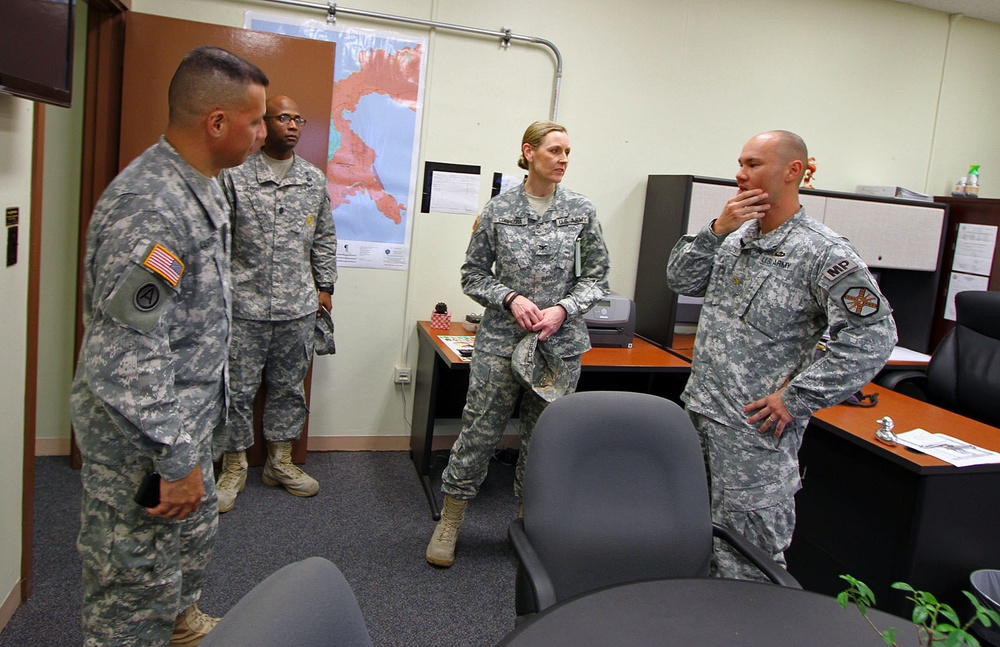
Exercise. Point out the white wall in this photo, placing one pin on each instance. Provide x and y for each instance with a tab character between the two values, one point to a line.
57	273
883	93
16	116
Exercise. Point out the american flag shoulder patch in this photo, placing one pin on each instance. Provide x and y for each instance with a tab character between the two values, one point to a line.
161	261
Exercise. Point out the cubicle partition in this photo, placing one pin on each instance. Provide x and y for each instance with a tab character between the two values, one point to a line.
900	240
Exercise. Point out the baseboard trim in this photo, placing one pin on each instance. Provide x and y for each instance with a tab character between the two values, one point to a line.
10	605
52	446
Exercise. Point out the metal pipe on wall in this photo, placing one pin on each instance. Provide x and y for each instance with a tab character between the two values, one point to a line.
503	34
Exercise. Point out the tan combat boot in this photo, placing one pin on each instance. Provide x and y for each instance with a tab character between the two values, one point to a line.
441	549
279	470
232	479
191	626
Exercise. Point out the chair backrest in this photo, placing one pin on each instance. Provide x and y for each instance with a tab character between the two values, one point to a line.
615	491
306	604
964	372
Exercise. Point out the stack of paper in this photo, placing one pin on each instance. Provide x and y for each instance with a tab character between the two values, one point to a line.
893	192
952	450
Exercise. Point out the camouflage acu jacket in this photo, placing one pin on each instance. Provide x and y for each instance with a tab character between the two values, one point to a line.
150	382
284	239
768	300
513	248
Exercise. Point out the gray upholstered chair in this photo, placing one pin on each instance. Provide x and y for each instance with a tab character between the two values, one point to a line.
964	372
614	492
305	604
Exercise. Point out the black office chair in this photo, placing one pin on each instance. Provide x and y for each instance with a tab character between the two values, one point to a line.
963	374
306	604
615	492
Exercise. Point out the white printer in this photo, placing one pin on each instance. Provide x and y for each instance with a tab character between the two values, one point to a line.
611	322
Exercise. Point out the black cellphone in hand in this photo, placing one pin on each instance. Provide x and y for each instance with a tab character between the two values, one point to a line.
148	494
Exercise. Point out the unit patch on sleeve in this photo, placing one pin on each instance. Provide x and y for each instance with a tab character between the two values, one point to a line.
164	263
861	301
839	270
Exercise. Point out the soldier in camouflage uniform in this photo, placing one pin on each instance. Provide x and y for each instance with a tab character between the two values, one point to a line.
774	280
284	269
150	390
537	262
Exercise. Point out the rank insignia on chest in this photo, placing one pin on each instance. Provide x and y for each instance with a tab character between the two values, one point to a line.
736	280
161	261
861	301
309	220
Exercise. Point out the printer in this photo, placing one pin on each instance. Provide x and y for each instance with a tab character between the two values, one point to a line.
611	322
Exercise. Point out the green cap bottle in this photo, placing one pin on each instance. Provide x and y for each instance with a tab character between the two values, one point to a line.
972	182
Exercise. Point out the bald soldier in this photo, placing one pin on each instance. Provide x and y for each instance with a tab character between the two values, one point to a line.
150	390
774	281
284	270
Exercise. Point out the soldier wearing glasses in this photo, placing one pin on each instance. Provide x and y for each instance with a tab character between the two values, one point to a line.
284	267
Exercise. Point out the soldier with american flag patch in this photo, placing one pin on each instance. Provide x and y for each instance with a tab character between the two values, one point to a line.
774	281
149	390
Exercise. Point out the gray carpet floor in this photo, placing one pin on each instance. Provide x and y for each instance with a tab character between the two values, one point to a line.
370	518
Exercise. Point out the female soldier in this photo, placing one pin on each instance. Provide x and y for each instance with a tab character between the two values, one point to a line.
537	262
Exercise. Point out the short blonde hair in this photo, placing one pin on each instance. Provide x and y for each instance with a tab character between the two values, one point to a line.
534	135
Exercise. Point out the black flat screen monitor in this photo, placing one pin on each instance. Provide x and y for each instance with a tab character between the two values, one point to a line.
36	49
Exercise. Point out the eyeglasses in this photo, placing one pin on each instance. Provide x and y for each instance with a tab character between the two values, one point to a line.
285	118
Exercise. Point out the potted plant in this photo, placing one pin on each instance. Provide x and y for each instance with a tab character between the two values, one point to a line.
937	623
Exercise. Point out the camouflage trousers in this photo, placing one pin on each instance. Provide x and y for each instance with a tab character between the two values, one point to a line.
280	353
489	405
753	479
140	571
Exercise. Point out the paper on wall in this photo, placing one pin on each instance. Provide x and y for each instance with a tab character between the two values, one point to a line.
974	248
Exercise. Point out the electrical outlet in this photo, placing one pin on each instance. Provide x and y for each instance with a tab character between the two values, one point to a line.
402	375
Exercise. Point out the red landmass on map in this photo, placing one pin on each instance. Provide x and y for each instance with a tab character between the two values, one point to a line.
352	167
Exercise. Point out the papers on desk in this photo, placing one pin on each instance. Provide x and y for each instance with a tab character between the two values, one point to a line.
900	354
458	342
951	450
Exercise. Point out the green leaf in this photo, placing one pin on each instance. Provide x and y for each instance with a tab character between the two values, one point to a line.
903	586
950	614
960	637
920	615
889	636
985	616
954	640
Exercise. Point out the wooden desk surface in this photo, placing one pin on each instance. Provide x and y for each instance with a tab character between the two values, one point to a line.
642	356
859	424
683	345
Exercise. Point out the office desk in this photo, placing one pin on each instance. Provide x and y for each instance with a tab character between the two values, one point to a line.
885	514
901	358
706	611
442	381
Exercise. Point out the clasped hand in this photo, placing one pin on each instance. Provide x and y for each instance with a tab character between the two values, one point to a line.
545	322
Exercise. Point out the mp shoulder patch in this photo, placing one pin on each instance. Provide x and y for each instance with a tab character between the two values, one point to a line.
839	270
861	301
161	261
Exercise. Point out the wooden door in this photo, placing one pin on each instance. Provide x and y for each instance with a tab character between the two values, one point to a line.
154	46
